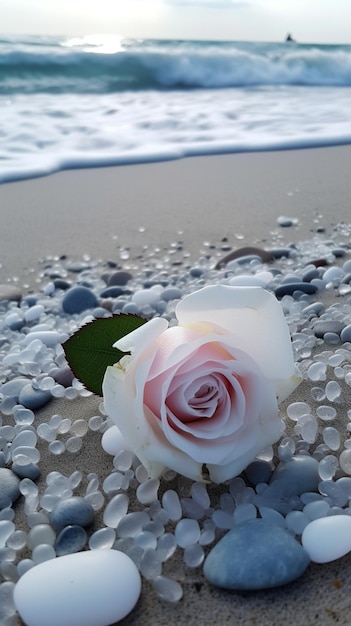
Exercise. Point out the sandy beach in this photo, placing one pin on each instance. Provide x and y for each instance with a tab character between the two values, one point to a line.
175	210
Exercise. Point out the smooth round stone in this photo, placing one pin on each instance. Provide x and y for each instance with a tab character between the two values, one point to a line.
255	555
316	308
93	588
120	278
111	292
113	441
285	222
49	338
10	292
258	472
244	260
14	387
78	299
297	476
321	327
327	538
172	293
63	376
9	487
34	398
289	288
60	283
345	335
71	539
31	470
72	511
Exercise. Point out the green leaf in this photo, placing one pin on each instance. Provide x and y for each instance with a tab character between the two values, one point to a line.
90	349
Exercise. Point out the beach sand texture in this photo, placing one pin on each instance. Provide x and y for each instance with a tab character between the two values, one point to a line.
238	198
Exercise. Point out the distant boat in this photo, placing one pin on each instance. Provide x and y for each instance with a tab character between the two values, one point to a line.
289	38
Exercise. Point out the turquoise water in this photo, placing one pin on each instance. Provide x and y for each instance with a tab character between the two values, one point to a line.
97	100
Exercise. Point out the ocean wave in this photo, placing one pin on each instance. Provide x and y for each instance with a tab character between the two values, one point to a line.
84	66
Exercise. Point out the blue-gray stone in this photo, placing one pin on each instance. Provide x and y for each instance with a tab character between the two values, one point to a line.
71	539
2	459
73	511
279	253
258	472
34	398
119	278
255	555
100	311
310	275
338	252
60	283
63	376
322	327
9	487
298	475
13	388
316	308
289	288
172	293
112	292
346	334
78	299
31	471
196	272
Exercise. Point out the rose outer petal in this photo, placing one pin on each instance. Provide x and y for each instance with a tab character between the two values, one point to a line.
255	317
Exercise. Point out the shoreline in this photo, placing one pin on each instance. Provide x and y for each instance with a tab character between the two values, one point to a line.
235	197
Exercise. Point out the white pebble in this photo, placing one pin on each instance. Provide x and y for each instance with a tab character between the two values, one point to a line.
327	538
73	596
113	441
187	532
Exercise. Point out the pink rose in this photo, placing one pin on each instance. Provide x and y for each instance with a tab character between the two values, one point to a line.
202	397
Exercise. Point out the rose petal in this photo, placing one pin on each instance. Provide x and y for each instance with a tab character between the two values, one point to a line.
141	337
257	317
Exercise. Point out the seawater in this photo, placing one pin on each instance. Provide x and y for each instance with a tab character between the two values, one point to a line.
104	100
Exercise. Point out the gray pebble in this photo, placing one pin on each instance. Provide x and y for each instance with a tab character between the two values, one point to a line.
345	335
255	555
258	472
196	272
172	293
289	288
321	327
72	511
310	275
14	387
9	487
78	266
33	398
119	278
78	299
10	292
279	253
317	308
298	475
71	539
285	222
31	471
63	376
112	292
60	283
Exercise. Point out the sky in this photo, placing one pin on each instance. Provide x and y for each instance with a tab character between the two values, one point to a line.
309	21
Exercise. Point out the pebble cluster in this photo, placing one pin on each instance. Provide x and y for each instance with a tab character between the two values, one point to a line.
301	489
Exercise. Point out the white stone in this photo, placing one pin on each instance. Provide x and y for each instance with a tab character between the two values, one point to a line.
327	538
94	588
113	441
